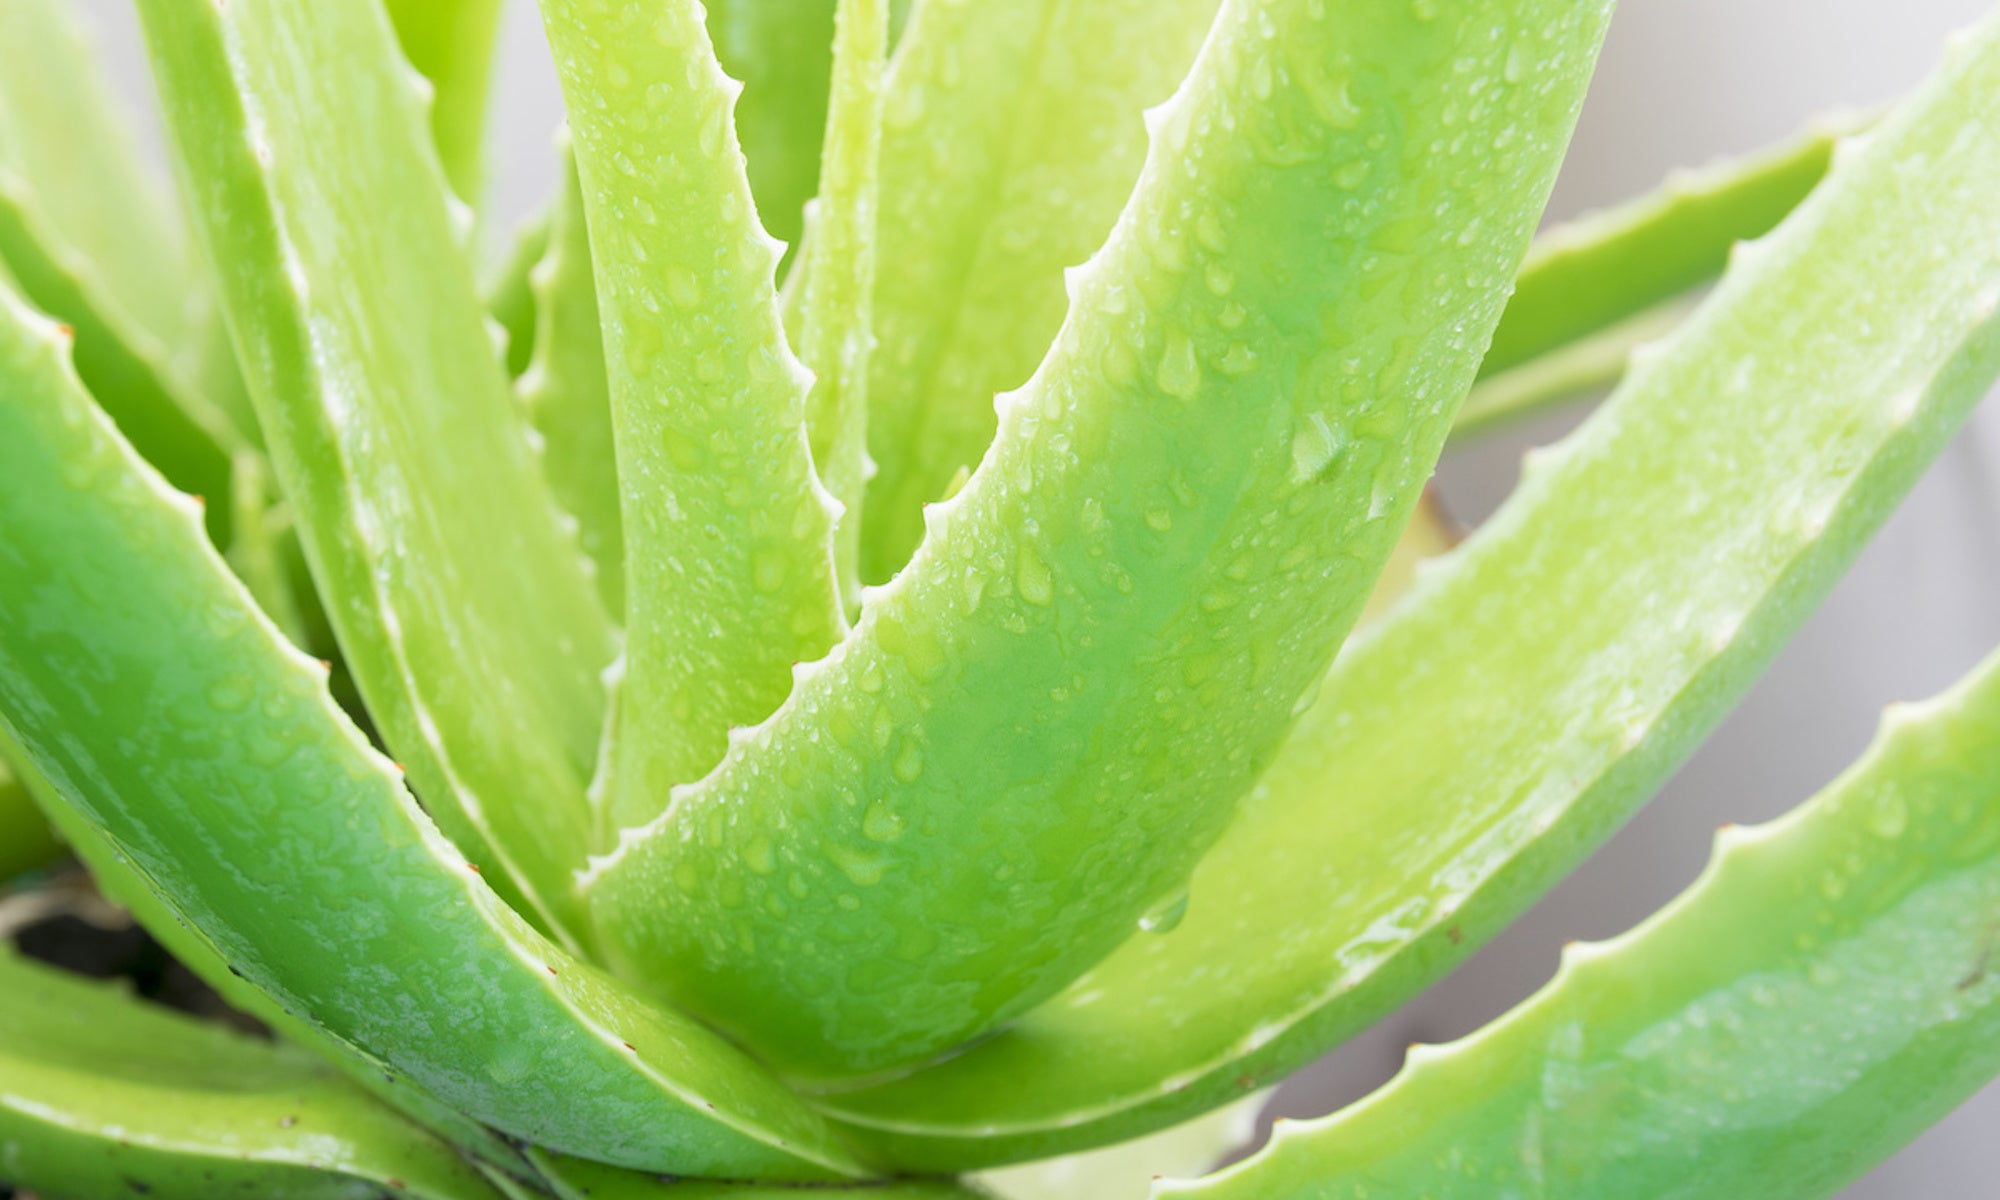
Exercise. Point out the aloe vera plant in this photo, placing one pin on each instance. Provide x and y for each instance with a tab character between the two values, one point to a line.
639	727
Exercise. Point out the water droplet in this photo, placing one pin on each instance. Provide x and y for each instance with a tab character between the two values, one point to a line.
881	823
1179	374
1314	448
683	288
909	762
231	693
1889	817
1166	916
1032	578
863	867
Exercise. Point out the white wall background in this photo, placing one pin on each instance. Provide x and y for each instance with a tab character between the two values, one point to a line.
1682	81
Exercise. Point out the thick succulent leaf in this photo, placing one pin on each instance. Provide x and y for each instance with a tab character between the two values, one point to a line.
1589	274
783	54
112	872
167	714
1546	678
101	1095
567	396
1012	140
729	574
1107	631
839	338
574	1179
452	42
464	612
68	147
1821	996
25	840
1595	289
91	239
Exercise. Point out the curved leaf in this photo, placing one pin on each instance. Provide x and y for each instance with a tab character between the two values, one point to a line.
1106	634
464	612
1541	682
1822	995
102	1096
91	239
573	1179
1012	139
112	872
729	571
166	713
1597	288
1594	272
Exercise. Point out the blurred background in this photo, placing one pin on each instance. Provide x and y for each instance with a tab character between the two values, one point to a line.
1681	82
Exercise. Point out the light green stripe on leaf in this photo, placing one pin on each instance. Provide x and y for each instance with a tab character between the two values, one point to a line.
168	715
1591	273
1013	135
101	1095
567	396
1596	288
464	612
1544	680
452	42
729	571
1107	631
839	339
1822	995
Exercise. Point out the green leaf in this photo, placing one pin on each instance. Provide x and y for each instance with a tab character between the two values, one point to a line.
1822	995
574	1179
839	340
567	396
783	55
1589	274
464	612
1595	289
1107	631
452	42
72	154
1012	140
729	572
1546	678
106	1096
90	238
167	714
112	872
